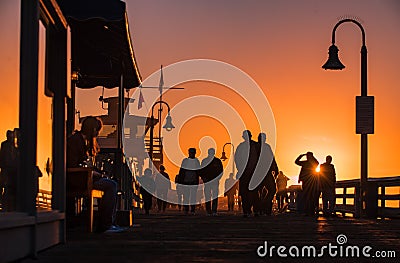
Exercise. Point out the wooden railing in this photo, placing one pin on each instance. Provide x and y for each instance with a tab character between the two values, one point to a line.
381	185
293	196
345	196
348	198
43	199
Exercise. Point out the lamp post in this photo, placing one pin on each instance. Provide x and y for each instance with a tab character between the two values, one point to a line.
168	126
364	103
223	156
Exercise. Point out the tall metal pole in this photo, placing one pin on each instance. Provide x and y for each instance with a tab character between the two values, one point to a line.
364	136
152	130
121	110
364	94
120	134
151	139
233	159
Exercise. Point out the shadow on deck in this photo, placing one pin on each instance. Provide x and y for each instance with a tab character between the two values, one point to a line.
173	237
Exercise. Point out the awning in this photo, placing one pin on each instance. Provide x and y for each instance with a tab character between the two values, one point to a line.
101	43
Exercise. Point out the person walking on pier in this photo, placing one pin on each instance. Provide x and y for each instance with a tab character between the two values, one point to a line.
309	180
147	189
189	171
246	158
328	180
179	190
281	195
267	169
211	172
163	184
231	187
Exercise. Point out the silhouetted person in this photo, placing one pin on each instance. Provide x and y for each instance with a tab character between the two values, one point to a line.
189	171
246	158
310	181
211	173
281	186
147	189
82	149
231	187
179	190
163	184
267	169
328	181
8	176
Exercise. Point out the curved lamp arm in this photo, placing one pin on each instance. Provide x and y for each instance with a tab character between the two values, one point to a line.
158	102
348	20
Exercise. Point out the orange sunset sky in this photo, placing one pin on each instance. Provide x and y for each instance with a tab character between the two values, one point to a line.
282	46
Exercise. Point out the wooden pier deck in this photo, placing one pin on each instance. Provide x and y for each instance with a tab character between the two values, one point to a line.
173	237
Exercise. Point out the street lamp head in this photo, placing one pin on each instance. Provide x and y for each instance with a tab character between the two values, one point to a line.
333	61
168	123
223	157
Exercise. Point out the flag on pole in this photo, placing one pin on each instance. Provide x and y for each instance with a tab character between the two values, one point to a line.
161	85
141	100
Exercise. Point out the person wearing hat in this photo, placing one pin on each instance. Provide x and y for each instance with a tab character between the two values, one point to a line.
189	171
163	184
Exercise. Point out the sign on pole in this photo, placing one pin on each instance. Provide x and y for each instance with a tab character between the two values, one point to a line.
364	114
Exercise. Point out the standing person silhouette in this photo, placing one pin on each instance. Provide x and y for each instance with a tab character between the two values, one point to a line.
190	173
246	158
147	189
163	184
179	190
230	190
328	181
211	172
267	170
281	185
309	181
8	176
82	148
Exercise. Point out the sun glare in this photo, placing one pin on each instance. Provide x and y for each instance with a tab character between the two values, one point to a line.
317	169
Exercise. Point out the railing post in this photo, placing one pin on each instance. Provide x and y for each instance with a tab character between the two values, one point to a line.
371	200
383	200
357	201
383	196
344	199
292	204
